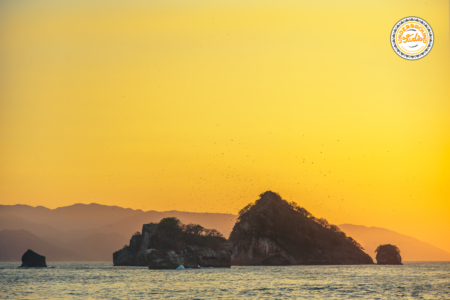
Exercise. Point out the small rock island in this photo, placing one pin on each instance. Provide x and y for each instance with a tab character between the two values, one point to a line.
272	231
388	255
31	259
170	244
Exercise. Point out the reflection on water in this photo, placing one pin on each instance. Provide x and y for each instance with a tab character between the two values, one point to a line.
415	280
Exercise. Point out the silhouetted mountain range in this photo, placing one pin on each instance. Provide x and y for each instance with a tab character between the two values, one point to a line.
92	232
411	248
14	243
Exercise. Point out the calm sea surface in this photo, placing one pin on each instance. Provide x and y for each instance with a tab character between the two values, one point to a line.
414	280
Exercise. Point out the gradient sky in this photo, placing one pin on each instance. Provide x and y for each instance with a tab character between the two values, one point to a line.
202	105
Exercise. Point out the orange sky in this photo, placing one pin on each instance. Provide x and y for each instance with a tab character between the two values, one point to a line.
201	106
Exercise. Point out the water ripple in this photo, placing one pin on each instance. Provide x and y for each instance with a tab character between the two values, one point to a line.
418	280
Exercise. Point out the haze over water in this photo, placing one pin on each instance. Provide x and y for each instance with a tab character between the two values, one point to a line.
414	280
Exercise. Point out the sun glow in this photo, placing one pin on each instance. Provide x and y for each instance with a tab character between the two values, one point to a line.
201	106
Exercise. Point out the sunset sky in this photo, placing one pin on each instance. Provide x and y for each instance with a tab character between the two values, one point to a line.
200	105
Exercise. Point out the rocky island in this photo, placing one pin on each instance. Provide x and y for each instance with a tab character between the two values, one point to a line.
388	255
31	259
272	231
170	244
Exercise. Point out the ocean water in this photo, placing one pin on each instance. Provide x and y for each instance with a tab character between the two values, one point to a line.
414	280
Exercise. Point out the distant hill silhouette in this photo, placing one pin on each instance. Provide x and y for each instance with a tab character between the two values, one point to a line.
111	226
127	226
14	222
411	249
99	225
77	216
99	246
102	218
14	243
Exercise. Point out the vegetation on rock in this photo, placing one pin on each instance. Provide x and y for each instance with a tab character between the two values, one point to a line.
169	243
173	235
388	254
293	235
292	218
387	247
